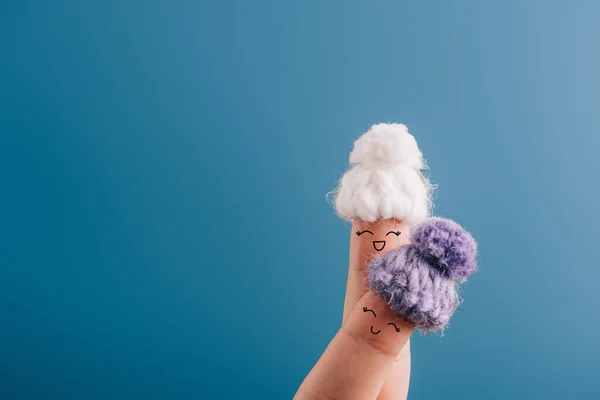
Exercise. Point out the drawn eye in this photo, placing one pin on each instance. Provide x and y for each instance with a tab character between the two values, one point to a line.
395	327
395	233
365	309
358	233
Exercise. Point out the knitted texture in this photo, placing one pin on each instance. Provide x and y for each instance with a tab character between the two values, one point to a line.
385	179
447	247
420	280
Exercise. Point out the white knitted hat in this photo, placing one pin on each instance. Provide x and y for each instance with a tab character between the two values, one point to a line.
385	179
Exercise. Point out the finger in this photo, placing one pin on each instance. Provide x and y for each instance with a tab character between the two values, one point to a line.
367	240
362	250
395	386
360	356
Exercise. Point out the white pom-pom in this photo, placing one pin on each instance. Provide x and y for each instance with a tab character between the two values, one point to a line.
387	145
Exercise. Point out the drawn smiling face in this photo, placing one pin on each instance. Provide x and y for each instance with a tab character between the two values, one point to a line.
366	309
378	245
372	238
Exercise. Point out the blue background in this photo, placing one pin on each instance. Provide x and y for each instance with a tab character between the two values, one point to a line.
164	165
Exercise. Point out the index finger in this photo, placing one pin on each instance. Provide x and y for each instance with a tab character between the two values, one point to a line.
358	359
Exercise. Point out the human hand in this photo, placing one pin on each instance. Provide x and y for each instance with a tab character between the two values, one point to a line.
360	357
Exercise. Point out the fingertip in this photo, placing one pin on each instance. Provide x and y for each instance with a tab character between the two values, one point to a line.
377	327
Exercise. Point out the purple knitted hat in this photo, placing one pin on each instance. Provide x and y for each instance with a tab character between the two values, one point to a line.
420	280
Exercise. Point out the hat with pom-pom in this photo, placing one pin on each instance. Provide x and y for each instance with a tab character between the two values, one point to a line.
420	280
385	179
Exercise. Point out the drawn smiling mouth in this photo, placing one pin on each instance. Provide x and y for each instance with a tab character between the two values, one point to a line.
374	333
379	244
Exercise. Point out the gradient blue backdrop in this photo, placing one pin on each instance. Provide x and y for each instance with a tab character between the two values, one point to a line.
164	165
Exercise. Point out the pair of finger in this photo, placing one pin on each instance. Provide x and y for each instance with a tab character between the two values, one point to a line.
368	240
359	359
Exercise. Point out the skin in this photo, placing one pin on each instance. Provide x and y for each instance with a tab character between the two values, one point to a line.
357	362
369	358
362	250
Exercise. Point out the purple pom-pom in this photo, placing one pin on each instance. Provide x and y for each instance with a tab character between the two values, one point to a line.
447	247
